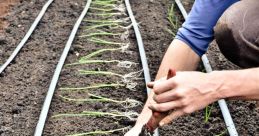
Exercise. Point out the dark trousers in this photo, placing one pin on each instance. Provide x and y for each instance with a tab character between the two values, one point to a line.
237	33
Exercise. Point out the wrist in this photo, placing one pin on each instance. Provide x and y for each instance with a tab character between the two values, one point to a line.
228	83
221	84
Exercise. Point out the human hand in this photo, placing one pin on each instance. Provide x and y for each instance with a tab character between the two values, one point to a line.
183	94
153	122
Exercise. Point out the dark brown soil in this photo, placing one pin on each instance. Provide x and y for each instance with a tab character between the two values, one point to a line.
4	8
70	77
25	82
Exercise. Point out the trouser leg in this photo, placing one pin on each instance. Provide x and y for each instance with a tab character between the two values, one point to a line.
237	33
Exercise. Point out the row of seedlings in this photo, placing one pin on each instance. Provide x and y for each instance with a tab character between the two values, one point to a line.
97	93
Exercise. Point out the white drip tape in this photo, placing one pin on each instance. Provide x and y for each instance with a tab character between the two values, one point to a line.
141	50
26	37
44	112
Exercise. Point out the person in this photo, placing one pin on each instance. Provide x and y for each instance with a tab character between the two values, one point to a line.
235	26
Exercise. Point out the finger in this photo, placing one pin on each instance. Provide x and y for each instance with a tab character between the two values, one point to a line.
163	107
150	85
164	86
174	115
166	96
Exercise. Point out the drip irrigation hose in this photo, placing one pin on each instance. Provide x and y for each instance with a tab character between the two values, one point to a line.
222	103
52	87
141	50
26	37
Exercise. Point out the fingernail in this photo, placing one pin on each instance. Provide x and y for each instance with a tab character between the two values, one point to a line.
161	124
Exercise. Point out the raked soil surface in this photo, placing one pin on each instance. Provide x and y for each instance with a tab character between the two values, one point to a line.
25	82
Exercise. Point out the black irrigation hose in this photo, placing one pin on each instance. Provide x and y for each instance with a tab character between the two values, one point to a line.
141	49
222	103
26	37
54	81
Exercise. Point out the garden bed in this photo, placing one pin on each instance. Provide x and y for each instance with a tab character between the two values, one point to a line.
25	83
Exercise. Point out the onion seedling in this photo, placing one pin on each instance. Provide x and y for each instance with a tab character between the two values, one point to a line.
120	8
173	20
105	42
222	133
106	15
97	132
100	33
126	78
102	25
109	21
128	103
91	87
122	64
95	53
110	25
103	4
115	114
208	110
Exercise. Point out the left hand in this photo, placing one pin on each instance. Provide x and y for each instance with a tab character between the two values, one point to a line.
183	94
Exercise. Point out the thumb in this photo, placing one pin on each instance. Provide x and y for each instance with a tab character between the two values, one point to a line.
168	119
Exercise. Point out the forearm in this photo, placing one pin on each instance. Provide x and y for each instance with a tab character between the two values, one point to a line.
178	56
238	84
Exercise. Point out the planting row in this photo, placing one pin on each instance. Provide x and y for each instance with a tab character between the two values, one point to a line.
101	88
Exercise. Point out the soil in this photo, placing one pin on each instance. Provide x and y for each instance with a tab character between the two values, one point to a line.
4	8
25	83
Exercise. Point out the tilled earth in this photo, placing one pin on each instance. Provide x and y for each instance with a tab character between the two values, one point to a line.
26	80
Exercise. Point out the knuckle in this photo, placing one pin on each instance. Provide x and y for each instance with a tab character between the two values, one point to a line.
178	93
155	88
184	102
155	98
187	110
161	108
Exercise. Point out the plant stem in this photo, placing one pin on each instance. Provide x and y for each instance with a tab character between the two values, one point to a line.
102	25
93	61
173	20
100	34
101	41
97	53
104	4
107	21
208	113
97	132
106	14
129	115
92	87
94	98
86	72
100	9
128	103
222	133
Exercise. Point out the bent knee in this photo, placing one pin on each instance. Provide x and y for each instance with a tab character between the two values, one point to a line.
237	33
